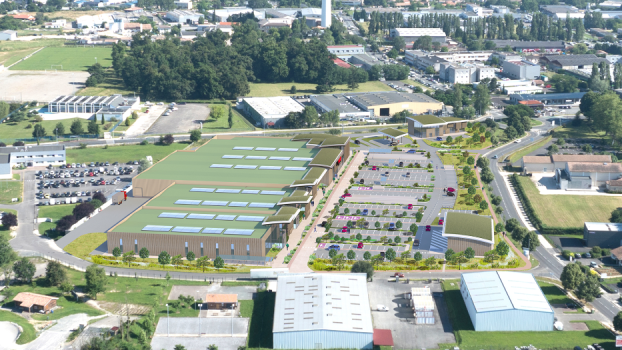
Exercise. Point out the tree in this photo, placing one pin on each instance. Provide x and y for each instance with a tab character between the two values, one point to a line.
616	216
553	149
143	165
59	129
164	258
499	227
38	132
390	254
202	263
367	255
217	112
589	288
190	256
99	196
531	241
449	253
55	274
195	135
93	128
363	267
143	253
481	99
167	139
24	270
176	260
483	205
83	210
9	220
572	276
418	257
116	252
483	162
503	249
129	257
96	280
351	255
96	203
564	83
66	287
219	263
399	43
469	253
293	90
430	70
339	261
179	347
511	225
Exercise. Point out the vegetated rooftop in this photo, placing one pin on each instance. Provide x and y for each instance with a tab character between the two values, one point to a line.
451	119
427	119
469	225
393	133
326	157
313	139
312	176
335	141
283	215
198	165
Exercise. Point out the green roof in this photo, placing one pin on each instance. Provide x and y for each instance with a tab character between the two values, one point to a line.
283	215
471	225
313	175
295	199
393	133
326	157
452	119
144	217
299	193
314	139
335	141
427	119
196	166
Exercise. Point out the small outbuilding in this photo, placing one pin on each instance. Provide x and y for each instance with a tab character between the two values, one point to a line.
31	302
221	301
506	301
602	234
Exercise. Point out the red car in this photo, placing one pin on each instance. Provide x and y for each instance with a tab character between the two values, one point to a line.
440	222
397	274
450	189
360	246
428	228
410	206
344	229
346	195
373	168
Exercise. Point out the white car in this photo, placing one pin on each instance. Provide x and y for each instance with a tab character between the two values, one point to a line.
382	308
517	141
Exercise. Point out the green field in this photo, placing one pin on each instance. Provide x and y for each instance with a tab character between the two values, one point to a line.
10	189
122	154
4	231
583	132
85	244
71	58
19	130
222	124
55	212
553	294
469	339
283	89
516	156
13	51
569	210
28	333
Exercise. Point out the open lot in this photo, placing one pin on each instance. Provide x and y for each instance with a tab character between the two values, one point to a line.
243	292
19	130
39	85
569	210
70	58
185	119
110	86
283	89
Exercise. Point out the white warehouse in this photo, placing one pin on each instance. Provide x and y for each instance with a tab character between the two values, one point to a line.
412	34
506	301
322	311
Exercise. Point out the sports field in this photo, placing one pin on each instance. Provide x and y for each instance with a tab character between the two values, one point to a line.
71	58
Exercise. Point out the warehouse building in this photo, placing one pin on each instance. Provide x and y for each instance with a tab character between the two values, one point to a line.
182	16
521	69
270	111
327	311
543	164
505	301
233	197
412	34
345	51
432	126
602	234
91	104
386	104
465	73
531	46
548	99
464	230
341	103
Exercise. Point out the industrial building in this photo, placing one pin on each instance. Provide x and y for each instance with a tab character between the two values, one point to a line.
464	230
364	61
329	311
523	90
531	46
578	62
422	59
505	301
602	234
92	104
465	73
521	69
270	111
182	16
432	126
550	99
386	104
233	197
341	103
412	34
28	156
346	51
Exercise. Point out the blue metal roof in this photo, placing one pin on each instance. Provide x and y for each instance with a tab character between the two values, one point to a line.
544	97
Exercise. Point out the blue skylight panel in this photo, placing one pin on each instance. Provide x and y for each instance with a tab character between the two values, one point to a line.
228	190
232	156
250	191
269	167
261	205
256	157
288	149
213	230
187	229
224	166
225	217
250	218
199	189
173	215
294	168
216	203
187	202
303	159
277	193
201	216
239	232
245	167
280	158
238	204
157	228
265	149
240	148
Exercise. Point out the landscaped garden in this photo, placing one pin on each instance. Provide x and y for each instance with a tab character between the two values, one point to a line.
478	136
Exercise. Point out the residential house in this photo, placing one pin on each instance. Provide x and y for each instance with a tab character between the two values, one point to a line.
31	302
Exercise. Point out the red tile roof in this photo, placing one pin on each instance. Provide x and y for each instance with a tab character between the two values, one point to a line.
341	63
28	299
530	102
383	337
23	16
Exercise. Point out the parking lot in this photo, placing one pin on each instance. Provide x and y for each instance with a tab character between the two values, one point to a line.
399	177
400	316
186	118
322	250
398	209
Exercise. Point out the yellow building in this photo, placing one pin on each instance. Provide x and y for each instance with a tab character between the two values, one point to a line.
386	104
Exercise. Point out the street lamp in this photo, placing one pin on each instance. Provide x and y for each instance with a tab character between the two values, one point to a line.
56	132
200	307
168	333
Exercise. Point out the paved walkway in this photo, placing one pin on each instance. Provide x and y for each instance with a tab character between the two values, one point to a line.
299	262
144	122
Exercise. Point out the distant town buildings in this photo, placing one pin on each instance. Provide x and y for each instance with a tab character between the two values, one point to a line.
521	69
412	34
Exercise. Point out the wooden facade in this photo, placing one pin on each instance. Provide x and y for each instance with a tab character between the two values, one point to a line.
460	244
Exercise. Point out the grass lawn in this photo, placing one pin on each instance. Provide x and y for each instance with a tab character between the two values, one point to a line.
71	58
569	210
13	51
28	333
13	130
261	313
85	244
241	283
111	85
516	156
283	89
535	122
583	132
9	57
10	189
450	158
55	213
468	339
123	153
222	124
553	294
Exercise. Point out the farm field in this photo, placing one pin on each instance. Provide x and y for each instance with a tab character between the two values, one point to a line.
71	58
283	89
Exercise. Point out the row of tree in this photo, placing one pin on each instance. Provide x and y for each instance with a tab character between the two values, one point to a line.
519	120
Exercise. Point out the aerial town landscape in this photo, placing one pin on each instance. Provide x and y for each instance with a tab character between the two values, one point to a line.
310	174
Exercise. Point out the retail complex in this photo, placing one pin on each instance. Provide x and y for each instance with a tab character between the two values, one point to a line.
233	197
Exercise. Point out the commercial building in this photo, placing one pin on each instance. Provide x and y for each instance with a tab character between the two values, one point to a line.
576	172
8	35
233	197
386	104
521	69
331	311
268	23
412	34
182	16
465	73
91	104
531	46
28	156
464	230
432	126
270	110
341	103
221	301
423	61
523	90
223	14
578	62
506	301
537	164
602	234
34	303
563	98
346	51
364	61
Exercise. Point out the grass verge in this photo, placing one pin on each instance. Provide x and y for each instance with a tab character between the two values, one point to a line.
10	189
20	130
525	151
85	244
553	294
28	333
283	89
55	213
242	283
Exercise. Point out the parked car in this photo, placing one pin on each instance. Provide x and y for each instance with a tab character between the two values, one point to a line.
345	195
439	138
440	221
416	243
365	212
374	168
428	228
360	245
382	308
587	255
594	264
412	151
517	141
391	226
410	206
398	274
335	247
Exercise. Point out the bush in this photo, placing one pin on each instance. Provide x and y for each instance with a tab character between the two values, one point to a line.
167	139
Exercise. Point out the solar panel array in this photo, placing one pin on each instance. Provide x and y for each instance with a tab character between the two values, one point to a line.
187	229
288	149
157	228
261	205
256	157
280	158
239	148
173	215
226	217
250	191
304	159
213	230
216	203
238	204
232	156
250	218
225	166
269	167
201	216
294	168
187	202
240	232
228	190
245	167
198	189
265	149
278	193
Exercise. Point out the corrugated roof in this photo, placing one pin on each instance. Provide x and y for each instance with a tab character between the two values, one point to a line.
595	167
603	226
337	302
505	290
537	159
581	158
